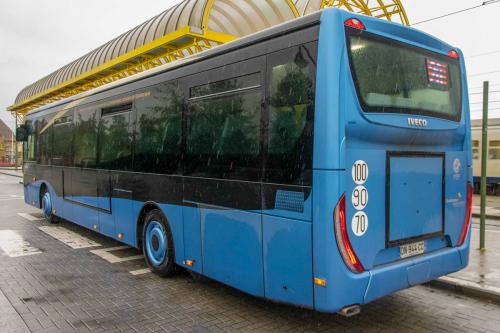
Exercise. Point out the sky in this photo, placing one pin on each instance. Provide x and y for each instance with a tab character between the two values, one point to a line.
38	37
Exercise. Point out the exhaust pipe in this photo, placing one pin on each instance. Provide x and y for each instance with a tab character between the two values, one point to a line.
350	311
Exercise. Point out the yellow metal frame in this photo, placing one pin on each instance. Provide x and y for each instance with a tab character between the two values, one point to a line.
177	45
376	8
168	48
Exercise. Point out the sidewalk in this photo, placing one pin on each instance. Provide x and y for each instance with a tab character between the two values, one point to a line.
492	207
482	276
12	172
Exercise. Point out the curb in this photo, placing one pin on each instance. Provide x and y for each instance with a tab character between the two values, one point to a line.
491	217
10	174
468	288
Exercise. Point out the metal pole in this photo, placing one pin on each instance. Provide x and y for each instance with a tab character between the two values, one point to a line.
484	161
16	160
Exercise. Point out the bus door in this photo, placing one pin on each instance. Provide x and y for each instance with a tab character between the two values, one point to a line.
63	132
222	189
83	175
115	183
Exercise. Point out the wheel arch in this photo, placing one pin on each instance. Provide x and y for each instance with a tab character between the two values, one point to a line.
146	208
43	187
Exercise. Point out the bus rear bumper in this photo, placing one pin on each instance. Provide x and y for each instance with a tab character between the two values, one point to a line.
388	279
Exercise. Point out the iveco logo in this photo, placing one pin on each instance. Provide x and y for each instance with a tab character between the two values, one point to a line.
417	122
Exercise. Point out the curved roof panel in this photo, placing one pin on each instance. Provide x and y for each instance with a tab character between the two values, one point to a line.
189	26
185	13
391	10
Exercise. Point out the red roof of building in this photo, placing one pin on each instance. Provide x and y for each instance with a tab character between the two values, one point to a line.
5	131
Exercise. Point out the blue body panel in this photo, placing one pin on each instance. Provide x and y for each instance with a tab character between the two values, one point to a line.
415	183
277	252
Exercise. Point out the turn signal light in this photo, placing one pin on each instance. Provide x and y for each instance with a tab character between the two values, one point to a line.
120	236
320	282
341	233
468	216
453	54
355	23
189	263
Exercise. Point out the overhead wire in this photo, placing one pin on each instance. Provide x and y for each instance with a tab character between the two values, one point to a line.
485	3
483	54
480	93
485	73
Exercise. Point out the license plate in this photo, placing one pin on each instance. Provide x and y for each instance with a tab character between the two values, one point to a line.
410	250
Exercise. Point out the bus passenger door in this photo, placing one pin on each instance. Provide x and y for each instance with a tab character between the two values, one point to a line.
84	175
222	190
114	160
106	220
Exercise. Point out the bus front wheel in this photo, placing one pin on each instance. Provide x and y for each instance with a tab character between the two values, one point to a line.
158	244
46	205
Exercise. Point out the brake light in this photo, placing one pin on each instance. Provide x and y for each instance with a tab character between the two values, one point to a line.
355	23
342	237
453	54
468	216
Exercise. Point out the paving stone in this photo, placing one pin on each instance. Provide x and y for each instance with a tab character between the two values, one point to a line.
68	290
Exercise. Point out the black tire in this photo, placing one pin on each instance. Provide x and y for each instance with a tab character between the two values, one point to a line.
152	221
48	212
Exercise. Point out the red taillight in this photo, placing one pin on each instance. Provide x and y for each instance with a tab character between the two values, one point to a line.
468	216
342	236
453	54
355	23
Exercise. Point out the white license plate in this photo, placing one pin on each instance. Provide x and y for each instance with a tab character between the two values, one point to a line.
410	250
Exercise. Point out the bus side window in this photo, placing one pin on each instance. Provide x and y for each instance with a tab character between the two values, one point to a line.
116	132
85	139
223	130
30	145
44	142
62	144
291	76
158	146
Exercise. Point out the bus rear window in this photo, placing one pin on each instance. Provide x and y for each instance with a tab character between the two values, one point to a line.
393	77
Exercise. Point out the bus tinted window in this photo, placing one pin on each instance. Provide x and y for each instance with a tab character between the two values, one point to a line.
223	138
242	82
159	130
85	144
115	137
30	145
398	78
62	140
44	129
291	104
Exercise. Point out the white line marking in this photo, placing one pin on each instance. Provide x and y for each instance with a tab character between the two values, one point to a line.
14	245
29	217
68	237
109	257
140	271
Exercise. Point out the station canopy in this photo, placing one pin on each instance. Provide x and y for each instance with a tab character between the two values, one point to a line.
189	27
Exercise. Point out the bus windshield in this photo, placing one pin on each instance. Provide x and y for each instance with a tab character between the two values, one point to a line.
393	77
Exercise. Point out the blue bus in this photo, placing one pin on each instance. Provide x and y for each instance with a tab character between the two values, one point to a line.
325	162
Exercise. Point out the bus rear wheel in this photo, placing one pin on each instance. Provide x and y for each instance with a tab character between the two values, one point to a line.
158	244
46	205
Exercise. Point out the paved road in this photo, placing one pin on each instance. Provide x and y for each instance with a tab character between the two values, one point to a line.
53	287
